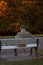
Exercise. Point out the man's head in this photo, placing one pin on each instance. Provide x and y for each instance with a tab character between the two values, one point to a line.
22	27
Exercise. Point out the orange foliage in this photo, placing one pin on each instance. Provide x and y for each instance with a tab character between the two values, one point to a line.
21	8
16	25
3	7
3	3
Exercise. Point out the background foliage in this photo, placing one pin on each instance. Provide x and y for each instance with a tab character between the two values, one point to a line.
13	13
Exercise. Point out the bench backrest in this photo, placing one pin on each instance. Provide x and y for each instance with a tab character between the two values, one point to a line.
17	41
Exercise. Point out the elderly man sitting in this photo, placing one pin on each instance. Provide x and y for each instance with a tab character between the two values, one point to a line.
23	33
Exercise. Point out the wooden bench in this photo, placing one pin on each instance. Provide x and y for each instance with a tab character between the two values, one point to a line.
20	43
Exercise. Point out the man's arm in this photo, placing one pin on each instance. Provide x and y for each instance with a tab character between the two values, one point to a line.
17	36
31	35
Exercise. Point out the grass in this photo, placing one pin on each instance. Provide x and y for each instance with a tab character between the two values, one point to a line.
39	35
1	37
26	62
40	52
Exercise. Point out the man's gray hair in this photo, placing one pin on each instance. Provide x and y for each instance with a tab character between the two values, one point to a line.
22	26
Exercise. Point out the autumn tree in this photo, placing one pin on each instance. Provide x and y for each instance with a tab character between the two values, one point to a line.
13	13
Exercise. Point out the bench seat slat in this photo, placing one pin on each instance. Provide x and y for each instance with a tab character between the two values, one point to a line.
15	47
31	45
8	47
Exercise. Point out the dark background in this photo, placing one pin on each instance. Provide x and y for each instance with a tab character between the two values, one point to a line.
13	13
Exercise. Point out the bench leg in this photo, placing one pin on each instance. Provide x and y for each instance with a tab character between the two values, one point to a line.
24	50
0	53
36	51
15	50
31	51
0	48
